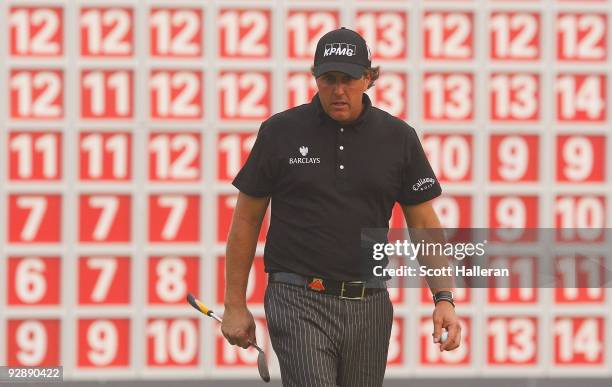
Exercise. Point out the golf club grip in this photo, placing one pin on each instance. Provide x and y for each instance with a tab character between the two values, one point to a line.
198	305
201	307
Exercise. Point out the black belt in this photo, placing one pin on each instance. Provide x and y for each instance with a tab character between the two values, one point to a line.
350	290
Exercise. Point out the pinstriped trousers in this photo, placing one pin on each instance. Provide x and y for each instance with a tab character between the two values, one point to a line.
324	341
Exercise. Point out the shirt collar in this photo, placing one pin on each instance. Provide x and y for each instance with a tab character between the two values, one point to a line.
356	125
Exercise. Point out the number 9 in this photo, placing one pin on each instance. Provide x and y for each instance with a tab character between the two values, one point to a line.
510	213
32	342
513	155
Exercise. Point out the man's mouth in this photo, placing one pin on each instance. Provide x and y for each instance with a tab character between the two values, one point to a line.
339	104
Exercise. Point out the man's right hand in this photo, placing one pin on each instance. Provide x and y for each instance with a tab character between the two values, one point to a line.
238	326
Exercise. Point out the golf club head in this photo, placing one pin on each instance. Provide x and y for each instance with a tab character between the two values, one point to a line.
262	367
262	364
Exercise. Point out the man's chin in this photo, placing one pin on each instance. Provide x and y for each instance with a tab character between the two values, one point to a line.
339	116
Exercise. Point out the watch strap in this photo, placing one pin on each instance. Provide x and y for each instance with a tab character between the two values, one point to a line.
443	295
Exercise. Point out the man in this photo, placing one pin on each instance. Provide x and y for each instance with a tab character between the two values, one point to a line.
331	168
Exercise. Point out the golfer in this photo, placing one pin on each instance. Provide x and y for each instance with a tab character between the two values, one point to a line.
329	168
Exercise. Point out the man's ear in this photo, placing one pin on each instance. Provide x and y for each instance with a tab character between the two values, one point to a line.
366	79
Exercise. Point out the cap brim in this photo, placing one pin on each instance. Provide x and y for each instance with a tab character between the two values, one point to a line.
354	70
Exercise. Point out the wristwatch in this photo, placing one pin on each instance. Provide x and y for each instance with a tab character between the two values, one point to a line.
443	295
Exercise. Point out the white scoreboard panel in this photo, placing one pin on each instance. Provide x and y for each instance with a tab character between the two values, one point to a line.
124	122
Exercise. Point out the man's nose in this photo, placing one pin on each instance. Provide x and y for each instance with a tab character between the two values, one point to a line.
338	88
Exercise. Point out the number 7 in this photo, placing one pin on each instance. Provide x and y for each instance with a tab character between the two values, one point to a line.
108	268
109	206
178	207
38	207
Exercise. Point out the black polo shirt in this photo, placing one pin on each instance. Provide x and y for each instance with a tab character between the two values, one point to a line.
327	181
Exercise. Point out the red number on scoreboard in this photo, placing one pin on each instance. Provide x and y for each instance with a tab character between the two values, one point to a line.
579	340
175	32
33	281
513	212
171	278
580	217
103	342
521	287
514	158
37	94
515	97
391	94
581	159
385	31
174	157
582	37
104	280
448	35
581	97
34	156
512	341
301	87
514	36
107	94
34	218
174	218
579	279
232	152
396	353
430	354
256	287
454	211
176	95
396	293
106	32
244	33
105	156
173	342
225	209
233	357
244	95
36	31
450	156
305	28
33	343
448	97
105	218
397	219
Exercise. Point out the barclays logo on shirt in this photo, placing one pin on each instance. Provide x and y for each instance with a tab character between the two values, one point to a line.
304	160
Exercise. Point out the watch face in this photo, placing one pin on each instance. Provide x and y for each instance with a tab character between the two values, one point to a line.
444	293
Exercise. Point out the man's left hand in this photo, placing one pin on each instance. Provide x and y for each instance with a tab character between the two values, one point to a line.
444	317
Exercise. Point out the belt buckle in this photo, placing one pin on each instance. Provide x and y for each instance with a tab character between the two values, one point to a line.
342	296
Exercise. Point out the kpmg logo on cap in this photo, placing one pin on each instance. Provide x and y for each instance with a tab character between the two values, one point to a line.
340	49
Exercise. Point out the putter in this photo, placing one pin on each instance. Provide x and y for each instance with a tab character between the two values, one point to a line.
262	364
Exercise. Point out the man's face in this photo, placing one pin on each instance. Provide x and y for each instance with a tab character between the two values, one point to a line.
340	95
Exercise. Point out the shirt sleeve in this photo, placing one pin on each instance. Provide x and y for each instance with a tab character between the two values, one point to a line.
259	174
419	183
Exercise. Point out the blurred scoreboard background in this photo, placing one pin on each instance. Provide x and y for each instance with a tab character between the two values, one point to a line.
122	124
